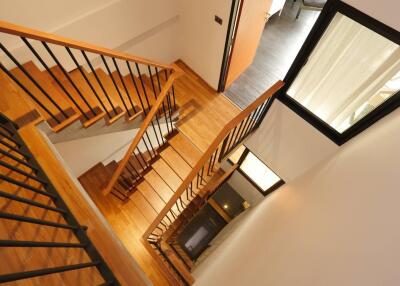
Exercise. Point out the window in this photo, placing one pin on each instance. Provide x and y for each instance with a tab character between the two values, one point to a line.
347	75
259	174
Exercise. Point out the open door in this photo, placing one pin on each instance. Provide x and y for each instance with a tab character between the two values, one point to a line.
248	18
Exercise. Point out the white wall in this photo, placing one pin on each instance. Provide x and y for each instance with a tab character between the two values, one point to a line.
143	28
385	11
336	225
288	144
336	221
202	39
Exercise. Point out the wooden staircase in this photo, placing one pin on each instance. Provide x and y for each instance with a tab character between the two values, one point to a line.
163	176
61	90
90	106
84	82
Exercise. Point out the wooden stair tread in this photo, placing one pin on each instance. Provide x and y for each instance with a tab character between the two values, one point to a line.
158	184
167	174
48	83
150	96
119	112
144	206
113	92
130	88
14	102
189	152
151	196
45	81
77	78
82	85
176	162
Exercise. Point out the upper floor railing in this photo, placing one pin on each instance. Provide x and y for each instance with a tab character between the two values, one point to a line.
82	80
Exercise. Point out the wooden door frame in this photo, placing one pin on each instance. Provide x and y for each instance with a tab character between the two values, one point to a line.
236	9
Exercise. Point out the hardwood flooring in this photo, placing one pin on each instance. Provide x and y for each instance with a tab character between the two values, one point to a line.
282	38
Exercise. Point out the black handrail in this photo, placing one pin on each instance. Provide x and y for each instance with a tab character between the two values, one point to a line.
47	189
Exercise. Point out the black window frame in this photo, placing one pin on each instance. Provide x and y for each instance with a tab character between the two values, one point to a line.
329	11
266	192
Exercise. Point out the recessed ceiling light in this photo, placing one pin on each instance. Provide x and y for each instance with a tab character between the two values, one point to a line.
226	206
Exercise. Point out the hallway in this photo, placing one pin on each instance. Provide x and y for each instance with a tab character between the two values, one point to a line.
281	40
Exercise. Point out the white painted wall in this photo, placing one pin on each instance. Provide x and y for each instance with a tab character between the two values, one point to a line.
202	40
335	225
336	220
143	28
288	144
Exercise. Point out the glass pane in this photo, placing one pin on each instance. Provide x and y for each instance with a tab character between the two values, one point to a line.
258	172
351	71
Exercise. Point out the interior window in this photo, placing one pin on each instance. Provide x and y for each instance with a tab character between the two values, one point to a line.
350	72
260	174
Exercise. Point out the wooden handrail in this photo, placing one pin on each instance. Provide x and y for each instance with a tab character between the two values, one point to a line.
210	150
22	31
142	130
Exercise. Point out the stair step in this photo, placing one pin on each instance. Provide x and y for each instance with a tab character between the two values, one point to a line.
98	112
106	101
151	196
112	91
186	149
132	99
144	206
15	104
167	174
158	184
45	81
130	85
176	162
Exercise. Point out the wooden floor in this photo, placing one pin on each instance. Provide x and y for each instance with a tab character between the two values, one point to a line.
280	42
203	113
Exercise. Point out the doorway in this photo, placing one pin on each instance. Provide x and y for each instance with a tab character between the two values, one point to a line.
281	38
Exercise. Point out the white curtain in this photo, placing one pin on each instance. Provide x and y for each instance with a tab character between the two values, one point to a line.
348	67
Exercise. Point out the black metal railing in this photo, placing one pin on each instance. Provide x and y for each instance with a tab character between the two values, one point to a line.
87	94
208	168
145	148
20	170
236	131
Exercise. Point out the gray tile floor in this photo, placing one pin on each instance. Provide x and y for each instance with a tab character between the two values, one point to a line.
280	42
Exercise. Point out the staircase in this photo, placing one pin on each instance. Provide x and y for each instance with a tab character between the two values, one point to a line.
66	80
162	174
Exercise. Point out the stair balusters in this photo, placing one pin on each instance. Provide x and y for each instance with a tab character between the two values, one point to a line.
108	84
